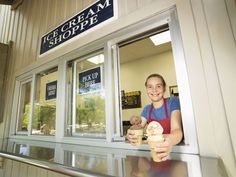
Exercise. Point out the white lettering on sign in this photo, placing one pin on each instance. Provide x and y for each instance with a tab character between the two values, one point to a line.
89	79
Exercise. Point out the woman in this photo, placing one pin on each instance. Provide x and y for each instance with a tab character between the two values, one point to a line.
164	110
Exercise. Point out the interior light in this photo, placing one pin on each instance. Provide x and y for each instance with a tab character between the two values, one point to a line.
161	38
97	59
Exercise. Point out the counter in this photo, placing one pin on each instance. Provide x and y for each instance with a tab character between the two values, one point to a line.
79	160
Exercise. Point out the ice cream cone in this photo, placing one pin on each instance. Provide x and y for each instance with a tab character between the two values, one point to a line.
152	141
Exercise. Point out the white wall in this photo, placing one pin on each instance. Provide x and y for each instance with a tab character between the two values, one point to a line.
209	47
134	74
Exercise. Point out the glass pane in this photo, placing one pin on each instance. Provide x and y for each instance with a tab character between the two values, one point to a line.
95	162
24	110
44	113
90	101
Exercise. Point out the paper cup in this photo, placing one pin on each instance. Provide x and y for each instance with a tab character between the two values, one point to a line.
152	144
153	152
139	134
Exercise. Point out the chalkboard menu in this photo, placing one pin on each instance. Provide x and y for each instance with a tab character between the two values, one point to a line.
131	99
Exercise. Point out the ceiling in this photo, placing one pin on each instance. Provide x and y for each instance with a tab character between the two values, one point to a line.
141	49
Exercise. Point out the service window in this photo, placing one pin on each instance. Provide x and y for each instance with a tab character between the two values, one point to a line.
24	107
147	54
154	46
44	110
85	82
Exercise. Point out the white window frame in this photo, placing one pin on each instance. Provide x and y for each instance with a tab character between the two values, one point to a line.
108	45
169	17
20	84
75	76
23	78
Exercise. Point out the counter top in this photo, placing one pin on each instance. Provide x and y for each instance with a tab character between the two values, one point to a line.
79	160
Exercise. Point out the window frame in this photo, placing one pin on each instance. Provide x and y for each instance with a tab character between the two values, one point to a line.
108	45
20	86
74	91
31	74
169	17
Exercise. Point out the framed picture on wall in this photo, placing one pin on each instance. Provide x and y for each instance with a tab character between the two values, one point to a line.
173	90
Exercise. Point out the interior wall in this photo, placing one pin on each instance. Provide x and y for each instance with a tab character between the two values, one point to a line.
133	75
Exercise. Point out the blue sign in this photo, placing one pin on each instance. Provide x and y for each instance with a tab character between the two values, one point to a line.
90	81
95	14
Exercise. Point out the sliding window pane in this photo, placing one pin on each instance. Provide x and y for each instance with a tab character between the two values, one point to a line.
44	113
89	117
24	109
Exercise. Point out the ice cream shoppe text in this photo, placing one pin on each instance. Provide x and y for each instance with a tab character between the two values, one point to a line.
95	14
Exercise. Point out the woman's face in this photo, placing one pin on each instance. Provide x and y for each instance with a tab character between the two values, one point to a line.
155	89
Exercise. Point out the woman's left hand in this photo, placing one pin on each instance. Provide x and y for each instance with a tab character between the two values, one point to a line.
163	149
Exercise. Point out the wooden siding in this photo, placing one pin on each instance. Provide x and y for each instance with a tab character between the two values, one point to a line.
25	25
13	168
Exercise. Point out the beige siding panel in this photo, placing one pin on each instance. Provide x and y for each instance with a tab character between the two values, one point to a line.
4	18
15	169
60	11
24	33
71	9
12	21
32	171
23	170
42	23
142	3
7	29
42	172
54	174
7	167
1	22
15	26
87	3
37	7
132	5
19	48
29	32
79	5
51	15
4	24
122	8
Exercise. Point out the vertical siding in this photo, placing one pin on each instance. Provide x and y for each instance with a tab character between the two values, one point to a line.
23	170
25	25
13	168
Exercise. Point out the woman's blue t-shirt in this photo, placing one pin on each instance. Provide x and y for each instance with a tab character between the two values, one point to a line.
172	104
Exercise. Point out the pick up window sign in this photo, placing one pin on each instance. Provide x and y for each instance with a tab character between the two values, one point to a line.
93	15
90	81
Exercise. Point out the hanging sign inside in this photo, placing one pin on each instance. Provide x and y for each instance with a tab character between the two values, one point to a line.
51	90
90	81
90	17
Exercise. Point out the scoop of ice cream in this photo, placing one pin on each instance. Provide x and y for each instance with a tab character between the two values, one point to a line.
135	120
154	128
136	127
